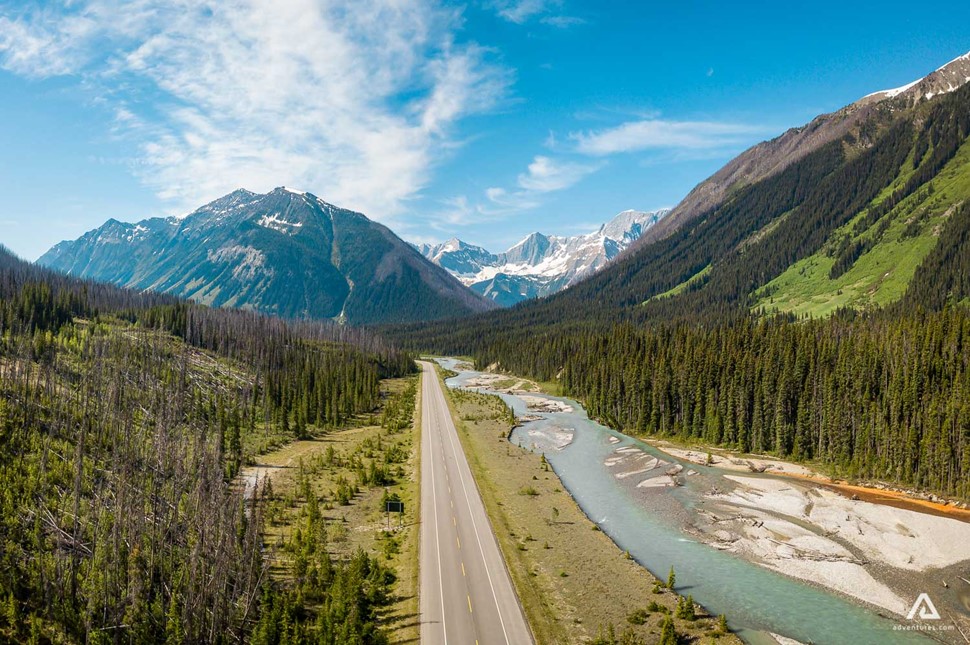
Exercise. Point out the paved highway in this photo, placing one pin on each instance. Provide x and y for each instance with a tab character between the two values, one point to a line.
466	593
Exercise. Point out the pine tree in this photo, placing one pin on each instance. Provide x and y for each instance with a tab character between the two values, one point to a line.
668	636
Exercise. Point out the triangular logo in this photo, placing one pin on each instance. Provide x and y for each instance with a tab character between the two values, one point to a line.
925	607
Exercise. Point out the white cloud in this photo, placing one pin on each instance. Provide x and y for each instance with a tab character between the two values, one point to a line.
502	203
45	45
352	99
522	11
562	22
660	134
543	175
457	211
546	175
519	11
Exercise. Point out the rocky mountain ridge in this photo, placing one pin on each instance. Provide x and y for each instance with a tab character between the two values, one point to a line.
286	252
539	265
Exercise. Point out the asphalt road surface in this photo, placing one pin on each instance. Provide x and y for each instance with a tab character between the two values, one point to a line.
466	593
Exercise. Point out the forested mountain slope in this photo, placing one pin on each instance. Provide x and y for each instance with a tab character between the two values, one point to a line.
770	157
808	239
124	418
286	253
694	336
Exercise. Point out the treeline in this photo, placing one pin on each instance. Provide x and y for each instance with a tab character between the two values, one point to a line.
871	396
125	419
883	395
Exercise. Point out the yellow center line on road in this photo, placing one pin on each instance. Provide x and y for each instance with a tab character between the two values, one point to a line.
458	541
454	521
469	604
462	568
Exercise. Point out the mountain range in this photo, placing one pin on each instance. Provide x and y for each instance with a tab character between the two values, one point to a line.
861	209
811	300
840	212
286	252
539	265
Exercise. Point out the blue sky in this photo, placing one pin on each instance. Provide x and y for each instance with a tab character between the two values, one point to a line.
485	120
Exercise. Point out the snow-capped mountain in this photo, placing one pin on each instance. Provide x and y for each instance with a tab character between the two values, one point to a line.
944	80
540	264
286	252
458	257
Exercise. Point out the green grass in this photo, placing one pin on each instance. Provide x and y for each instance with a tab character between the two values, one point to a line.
549	387
680	288
882	275
361	523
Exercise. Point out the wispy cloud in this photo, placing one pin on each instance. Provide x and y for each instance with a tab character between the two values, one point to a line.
353	99
547	12
43	43
664	134
543	175
562	22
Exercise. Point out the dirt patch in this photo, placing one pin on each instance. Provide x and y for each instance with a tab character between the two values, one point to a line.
896	499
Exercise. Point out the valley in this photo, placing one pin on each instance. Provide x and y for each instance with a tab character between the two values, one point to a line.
267	416
880	556
575	584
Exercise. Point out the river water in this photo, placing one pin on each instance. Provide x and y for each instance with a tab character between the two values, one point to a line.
756	600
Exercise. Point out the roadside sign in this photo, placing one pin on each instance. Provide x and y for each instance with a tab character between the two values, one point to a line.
393	506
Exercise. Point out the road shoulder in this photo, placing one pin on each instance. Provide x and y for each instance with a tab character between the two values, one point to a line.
574	583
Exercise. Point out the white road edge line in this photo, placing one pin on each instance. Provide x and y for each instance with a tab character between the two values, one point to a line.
481	549
437	543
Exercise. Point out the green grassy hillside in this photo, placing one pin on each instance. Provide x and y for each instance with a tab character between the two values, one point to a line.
893	247
683	286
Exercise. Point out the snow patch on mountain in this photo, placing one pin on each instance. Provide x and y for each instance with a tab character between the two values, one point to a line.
276	223
893	92
539	264
955	60
946	79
